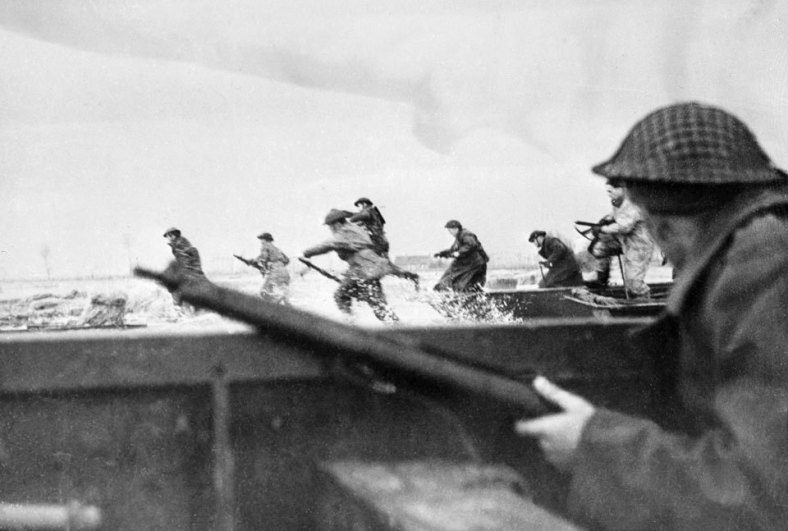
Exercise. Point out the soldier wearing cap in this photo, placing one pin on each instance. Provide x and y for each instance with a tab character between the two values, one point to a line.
718	208
468	271
361	280
370	218
187	257
272	264
559	259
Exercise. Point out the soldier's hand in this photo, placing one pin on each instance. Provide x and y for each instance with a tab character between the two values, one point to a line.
559	433
596	229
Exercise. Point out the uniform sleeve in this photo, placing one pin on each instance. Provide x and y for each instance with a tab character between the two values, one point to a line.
321	248
626	218
555	250
466	244
631	474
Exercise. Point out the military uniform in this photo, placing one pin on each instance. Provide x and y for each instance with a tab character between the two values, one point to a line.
272	264
361	281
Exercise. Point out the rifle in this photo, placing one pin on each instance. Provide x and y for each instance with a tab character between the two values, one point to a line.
251	263
591	226
319	269
403	354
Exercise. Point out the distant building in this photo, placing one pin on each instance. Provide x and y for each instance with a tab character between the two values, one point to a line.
417	262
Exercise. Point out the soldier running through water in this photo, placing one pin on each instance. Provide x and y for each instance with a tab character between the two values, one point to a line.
187	260
370	218
468	272
361	281
272	264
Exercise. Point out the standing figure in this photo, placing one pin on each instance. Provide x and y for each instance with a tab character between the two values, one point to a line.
187	258
272	264
468	271
361	281
717	458
370	218
622	232
559	259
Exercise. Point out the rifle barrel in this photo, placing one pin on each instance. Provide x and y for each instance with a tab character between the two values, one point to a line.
403	354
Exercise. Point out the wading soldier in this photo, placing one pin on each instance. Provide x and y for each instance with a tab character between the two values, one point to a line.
187	258
361	280
468	271
718	209
272	264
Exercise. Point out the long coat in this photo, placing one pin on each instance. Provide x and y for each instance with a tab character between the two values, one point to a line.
563	268
187	257
468	271
724	358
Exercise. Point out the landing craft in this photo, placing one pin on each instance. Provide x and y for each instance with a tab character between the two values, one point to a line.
303	423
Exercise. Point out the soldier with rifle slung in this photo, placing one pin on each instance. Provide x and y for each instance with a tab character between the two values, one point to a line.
370	218
718	208
272	264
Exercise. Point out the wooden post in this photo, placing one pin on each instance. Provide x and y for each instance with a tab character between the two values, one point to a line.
224	462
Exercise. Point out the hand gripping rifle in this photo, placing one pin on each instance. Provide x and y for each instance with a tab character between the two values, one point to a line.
251	263
403	354
320	270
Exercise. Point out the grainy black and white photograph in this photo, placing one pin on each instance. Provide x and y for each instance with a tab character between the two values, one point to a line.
394	265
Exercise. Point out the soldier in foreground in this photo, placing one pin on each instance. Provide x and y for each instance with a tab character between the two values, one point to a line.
623	232
361	281
187	258
718	208
272	264
468	271
559	259
370	218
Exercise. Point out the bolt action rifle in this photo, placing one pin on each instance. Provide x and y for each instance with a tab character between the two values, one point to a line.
351	344
593	228
251	263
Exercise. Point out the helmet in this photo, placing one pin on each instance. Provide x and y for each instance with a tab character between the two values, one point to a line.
453	224
335	215
265	236
690	143
535	234
172	230
362	200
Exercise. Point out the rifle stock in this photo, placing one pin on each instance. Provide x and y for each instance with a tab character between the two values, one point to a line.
401	354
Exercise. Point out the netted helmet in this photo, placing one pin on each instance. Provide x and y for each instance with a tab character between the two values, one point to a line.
172	230
265	236
362	201
690	143
453	224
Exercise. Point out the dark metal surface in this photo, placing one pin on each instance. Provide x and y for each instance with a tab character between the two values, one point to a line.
141	425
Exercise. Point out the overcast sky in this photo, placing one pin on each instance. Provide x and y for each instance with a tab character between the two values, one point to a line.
119	119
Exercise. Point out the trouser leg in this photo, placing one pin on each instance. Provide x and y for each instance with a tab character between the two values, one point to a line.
372	294
343	296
